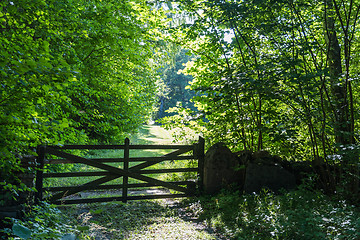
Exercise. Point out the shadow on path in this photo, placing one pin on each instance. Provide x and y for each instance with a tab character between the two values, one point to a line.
158	219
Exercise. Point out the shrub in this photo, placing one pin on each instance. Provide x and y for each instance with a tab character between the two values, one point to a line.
42	221
300	214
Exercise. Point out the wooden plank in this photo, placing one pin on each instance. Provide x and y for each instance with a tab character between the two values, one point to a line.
104	173
119	172
100	147
114	173
39	173
126	168
170	170
75	174
110	199
112	186
156	159
140	166
93	147
139	159
200	155
151	160
82	187
66	161
183	147
148	164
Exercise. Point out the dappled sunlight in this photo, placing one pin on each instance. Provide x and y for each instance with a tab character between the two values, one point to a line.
298	214
171	228
152	134
134	220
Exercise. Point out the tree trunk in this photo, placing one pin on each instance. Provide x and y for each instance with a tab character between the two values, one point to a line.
343	127
338	87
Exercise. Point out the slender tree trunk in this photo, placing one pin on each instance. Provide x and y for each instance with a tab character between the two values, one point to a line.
338	88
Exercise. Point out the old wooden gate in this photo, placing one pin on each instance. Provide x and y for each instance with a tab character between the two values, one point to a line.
135	168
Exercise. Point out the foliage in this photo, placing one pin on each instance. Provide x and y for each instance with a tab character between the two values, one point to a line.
301	214
175	92
42	222
251	84
275	75
73	72
184	123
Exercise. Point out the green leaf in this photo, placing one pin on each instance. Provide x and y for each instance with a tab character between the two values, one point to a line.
69	236
83	228
21	231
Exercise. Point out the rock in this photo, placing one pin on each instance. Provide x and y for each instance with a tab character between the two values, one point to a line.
274	177
221	168
245	157
262	154
11	212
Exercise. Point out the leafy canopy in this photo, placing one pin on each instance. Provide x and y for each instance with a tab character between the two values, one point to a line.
74	71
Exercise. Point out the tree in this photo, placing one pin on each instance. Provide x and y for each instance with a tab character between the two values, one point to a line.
285	81
175	89
73	72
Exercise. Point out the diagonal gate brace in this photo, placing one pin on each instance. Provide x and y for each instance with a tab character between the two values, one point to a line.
115	172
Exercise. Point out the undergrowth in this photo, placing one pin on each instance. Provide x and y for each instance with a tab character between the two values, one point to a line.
300	214
41	221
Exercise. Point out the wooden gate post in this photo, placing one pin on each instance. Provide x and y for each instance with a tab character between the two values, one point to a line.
200	153
126	168
39	173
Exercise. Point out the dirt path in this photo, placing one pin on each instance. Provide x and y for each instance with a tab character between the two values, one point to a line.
156	219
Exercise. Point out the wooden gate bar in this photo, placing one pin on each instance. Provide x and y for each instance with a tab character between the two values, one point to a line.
163	158
112	186
75	174
139	159
200	155
39	173
104	173
148	164
101	147
117	171
172	170
93	147
82	187
182	147
109	177
126	168
110	199
112	172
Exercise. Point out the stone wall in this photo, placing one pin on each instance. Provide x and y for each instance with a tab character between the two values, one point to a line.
248	171
221	168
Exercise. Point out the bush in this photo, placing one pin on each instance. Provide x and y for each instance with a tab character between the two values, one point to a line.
300	214
41	222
